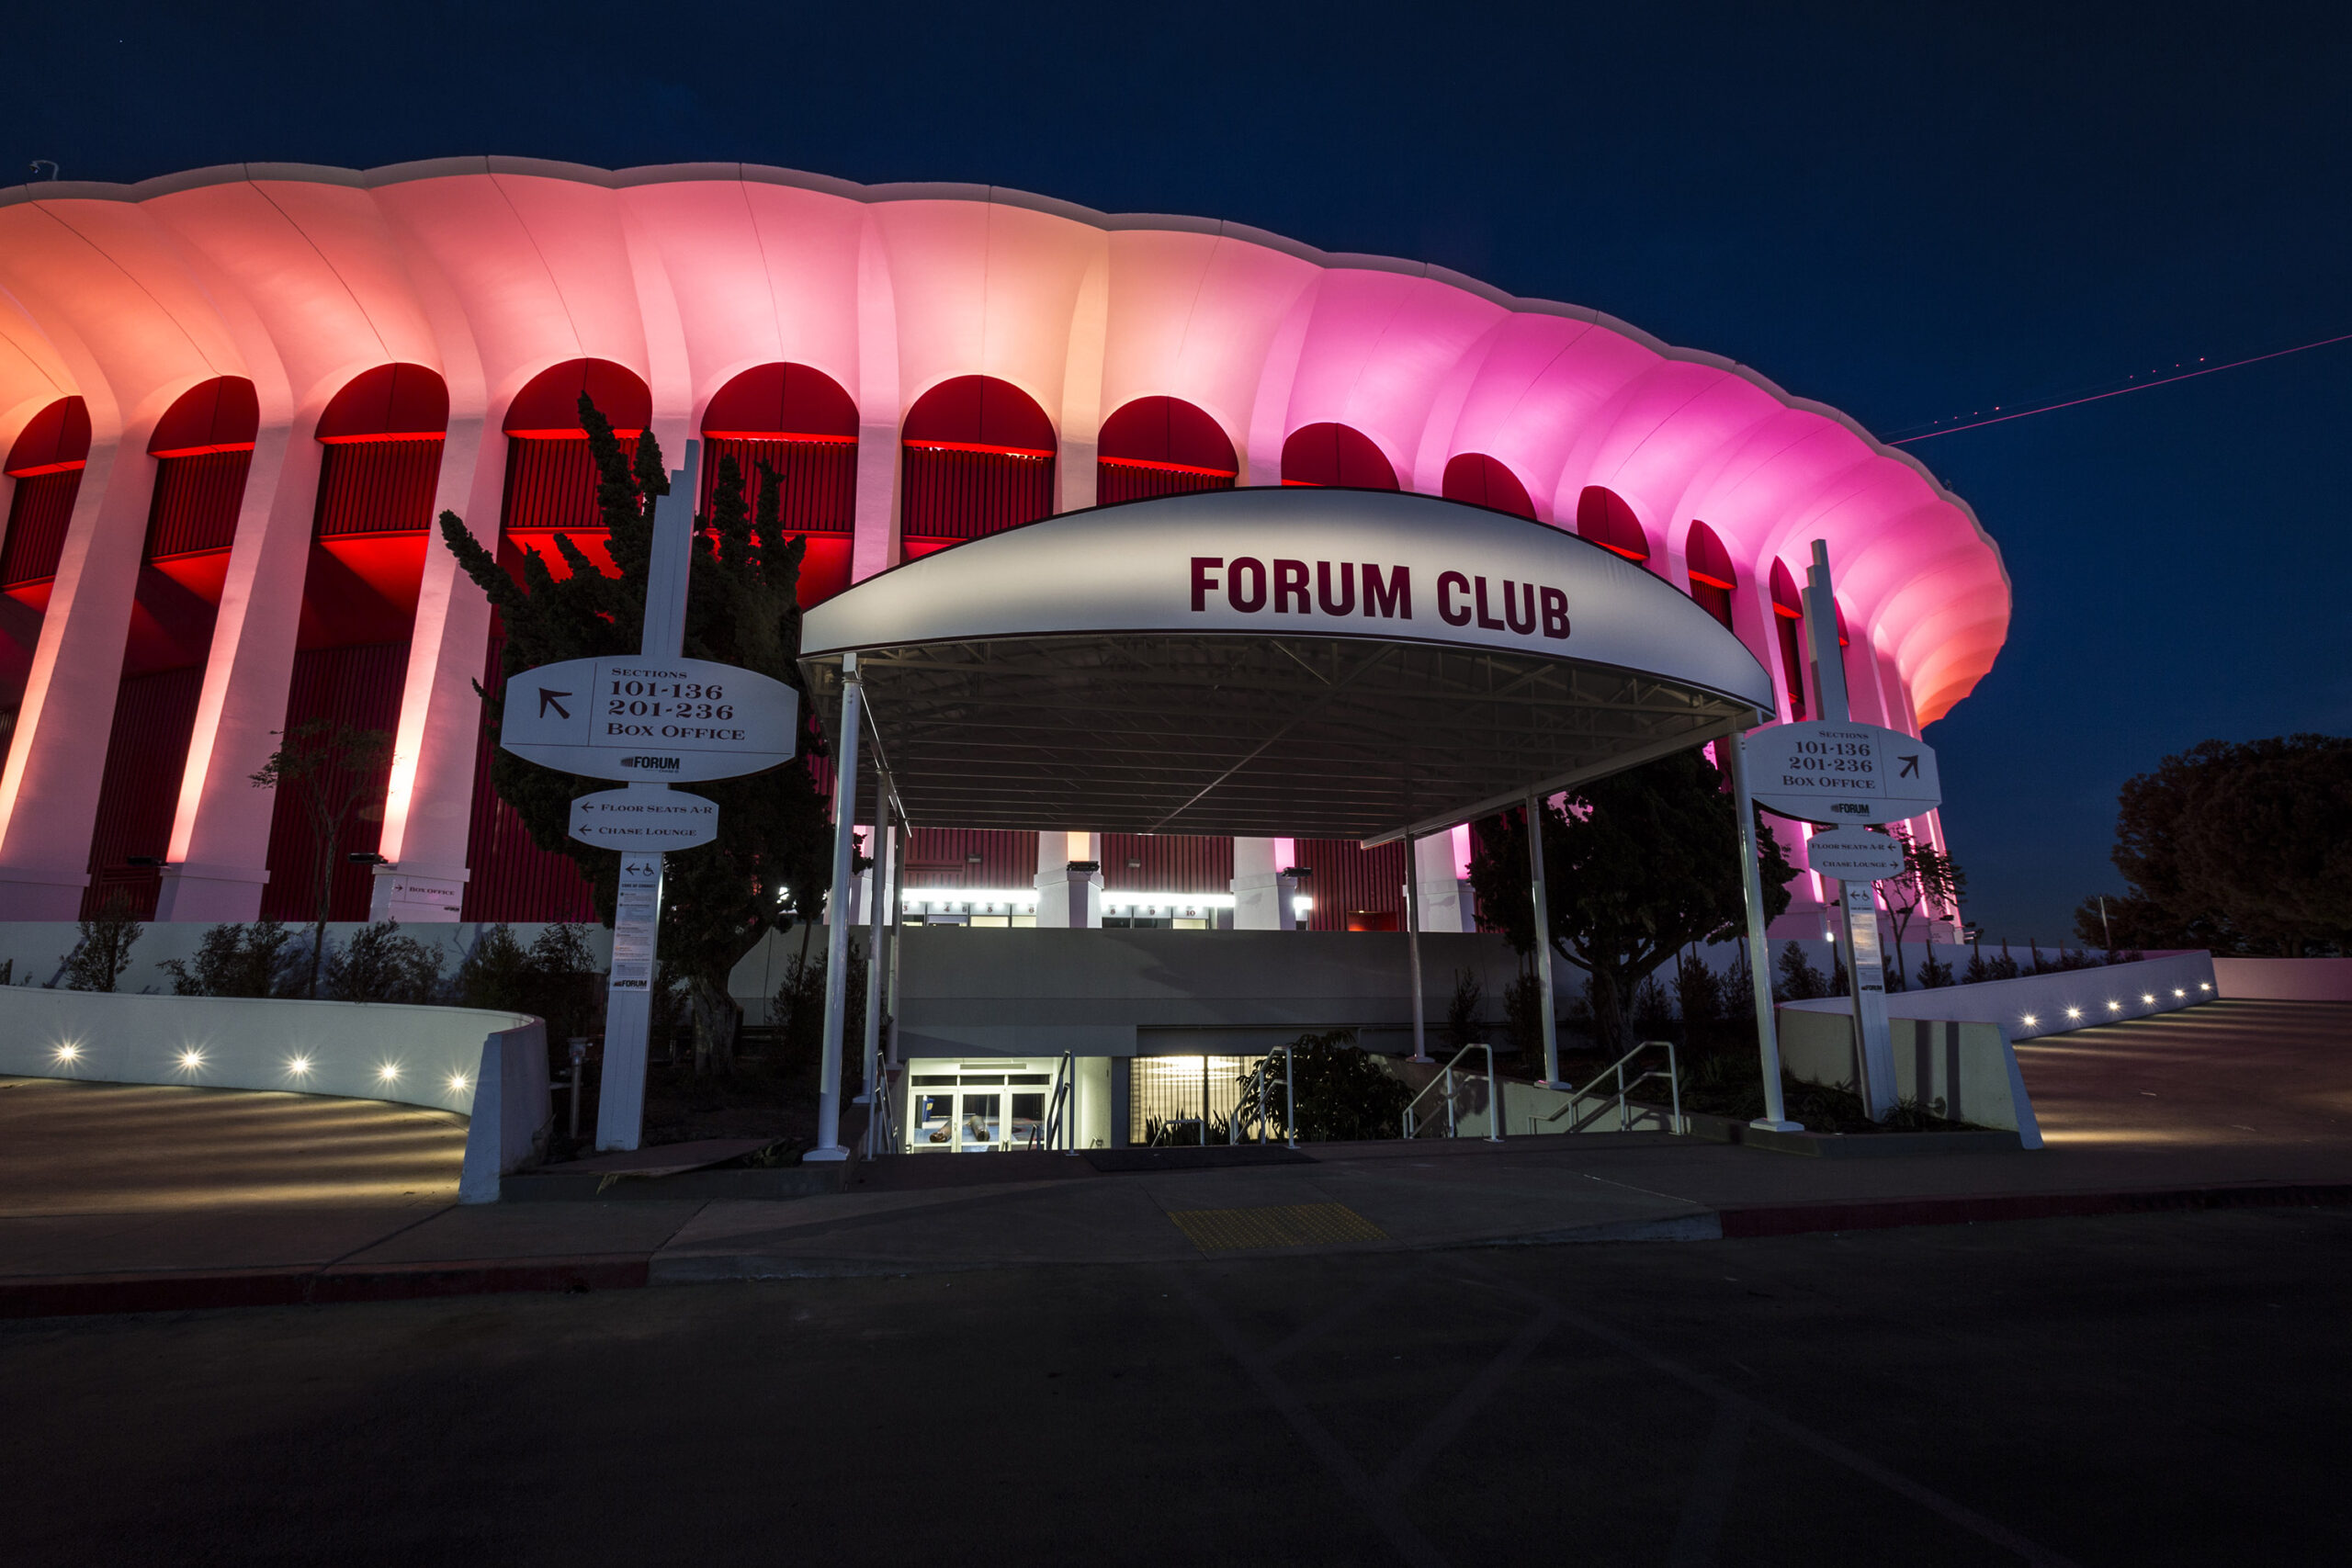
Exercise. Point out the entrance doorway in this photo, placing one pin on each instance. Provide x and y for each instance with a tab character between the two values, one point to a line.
976	1107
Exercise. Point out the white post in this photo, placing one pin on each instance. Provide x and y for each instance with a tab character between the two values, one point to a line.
1543	940
1731	749
901	842
877	896
637	915
1413	947
829	1081
1866	975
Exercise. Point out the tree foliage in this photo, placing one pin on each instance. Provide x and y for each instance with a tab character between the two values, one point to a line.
1929	883
1637	866
103	948
2238	847
331	767
770	862
1343	1092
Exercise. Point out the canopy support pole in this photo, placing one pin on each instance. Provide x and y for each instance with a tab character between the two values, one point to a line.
1544	939
829	1082
1413	948
869	1054
1730	751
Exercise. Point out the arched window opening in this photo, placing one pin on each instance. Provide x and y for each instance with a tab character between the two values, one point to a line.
46	464
1480	480
1788	618
550	475
979	460
550	490
1335	455
203	447
1161	447
381	436
1603	517
1713	577
800	421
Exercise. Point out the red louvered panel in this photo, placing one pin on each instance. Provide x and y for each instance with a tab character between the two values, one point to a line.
956	494
819	490
510	878
360	687
1352	880
942	857
1173	862
146	753
378	486
195	502
1114	482
38	516
550	484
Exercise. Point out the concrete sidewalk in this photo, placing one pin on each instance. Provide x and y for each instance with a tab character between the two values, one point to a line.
116	1199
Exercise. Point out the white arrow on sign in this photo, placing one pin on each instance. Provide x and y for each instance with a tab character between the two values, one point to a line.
1852	854
1842	773
644	816
650	718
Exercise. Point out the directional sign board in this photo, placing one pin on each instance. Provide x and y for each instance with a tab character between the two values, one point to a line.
1842	773
642	818
650	719
1852	854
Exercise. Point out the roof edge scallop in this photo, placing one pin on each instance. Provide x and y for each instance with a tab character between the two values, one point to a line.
760	174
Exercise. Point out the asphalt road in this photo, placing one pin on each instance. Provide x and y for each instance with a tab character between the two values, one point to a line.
2148	1389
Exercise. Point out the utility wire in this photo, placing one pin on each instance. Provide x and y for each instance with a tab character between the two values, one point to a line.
2119	391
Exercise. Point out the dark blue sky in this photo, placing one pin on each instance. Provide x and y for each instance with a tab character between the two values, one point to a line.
1908	212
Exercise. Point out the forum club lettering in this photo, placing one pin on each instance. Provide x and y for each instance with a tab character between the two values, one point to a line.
1334	587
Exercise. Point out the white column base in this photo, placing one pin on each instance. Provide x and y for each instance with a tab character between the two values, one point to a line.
24	898
1071	899
216	893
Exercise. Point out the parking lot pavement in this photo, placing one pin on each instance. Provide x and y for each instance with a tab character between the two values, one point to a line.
2151	1389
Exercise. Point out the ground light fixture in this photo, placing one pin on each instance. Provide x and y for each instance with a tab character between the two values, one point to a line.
2031	1021
68	1053
388	1072
2204	985
297	1066
457	1083
2178	992
2148	998
191	1059
2074	1013
2115	1006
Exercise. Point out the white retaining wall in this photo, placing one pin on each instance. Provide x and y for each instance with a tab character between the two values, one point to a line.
490	1067
2285	979
2035	1005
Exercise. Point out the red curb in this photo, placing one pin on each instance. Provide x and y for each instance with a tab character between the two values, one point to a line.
410	1281
91	1295
1804	1219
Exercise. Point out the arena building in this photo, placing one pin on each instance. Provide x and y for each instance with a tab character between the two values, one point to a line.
233	401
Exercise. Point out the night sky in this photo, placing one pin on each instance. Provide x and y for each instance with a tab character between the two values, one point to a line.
1908	213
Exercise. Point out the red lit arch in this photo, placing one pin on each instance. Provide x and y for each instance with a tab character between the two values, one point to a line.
979	460
1788	615
800	421
1603	517
46	462
1713	577
1335	455
1161	447
548	408
220	415
1481	480
391	402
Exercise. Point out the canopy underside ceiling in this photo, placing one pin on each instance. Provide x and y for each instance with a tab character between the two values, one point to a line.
1255	737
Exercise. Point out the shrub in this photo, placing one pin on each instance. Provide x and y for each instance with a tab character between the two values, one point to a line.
379	964
1343	1093
1698	994
1931	972
258	960
1461	1025
103	952
1800	981
1653	1014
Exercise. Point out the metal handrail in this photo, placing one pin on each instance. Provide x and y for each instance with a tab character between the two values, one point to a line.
1290	1102
1058	1126
1445	1080
881	1127
1624	1086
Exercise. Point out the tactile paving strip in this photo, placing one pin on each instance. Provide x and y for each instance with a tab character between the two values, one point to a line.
1277	1224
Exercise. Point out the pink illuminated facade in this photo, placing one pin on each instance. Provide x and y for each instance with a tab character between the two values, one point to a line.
233	401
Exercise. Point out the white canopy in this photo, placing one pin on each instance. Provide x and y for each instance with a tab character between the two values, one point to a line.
1324	663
